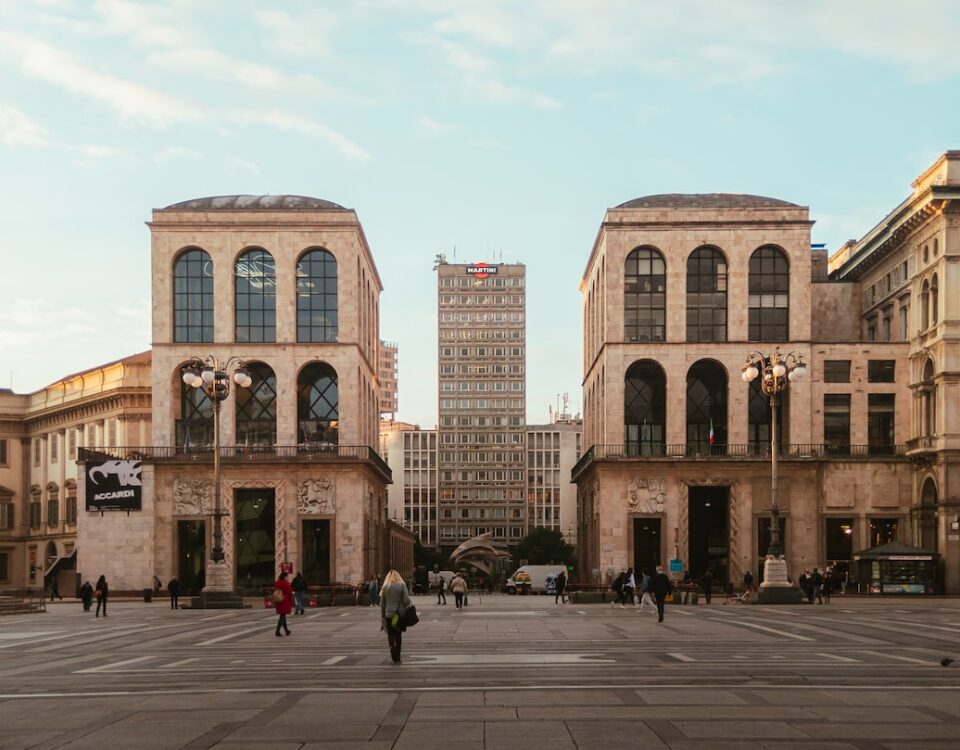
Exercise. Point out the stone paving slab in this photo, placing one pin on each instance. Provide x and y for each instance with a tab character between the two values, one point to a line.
851	731
666	696
739	729
622	732
690	713
457	713
553	698
451	699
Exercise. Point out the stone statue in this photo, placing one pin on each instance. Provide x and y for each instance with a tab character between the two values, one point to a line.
647	495
191	497
316	496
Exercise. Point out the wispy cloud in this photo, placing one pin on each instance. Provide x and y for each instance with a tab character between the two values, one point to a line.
433	128
171	153
296	123
18	129
500	93
243	164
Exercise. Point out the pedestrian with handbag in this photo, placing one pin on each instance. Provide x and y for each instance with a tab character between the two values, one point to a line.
282	602
101	592
394	603
459	588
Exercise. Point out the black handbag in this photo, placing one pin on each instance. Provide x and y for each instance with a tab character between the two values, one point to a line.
410	617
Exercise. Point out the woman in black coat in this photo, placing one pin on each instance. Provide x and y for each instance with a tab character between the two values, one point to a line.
102	591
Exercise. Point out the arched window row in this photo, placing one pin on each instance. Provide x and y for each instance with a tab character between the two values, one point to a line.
255	296
706	414
318	409
645	295
929	303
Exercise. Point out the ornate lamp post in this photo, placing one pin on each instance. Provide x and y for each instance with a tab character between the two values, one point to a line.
211	375
776	371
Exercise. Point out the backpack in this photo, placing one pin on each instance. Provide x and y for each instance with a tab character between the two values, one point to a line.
277	596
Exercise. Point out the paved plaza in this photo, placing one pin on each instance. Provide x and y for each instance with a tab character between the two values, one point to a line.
505	672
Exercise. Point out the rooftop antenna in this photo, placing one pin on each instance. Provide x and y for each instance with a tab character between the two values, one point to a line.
454	253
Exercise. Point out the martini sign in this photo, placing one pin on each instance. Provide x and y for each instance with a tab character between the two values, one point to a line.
481	270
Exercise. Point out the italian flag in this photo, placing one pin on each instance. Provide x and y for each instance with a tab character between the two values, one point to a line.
712	436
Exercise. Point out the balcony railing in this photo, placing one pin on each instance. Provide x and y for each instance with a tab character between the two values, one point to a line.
734	451
921	443
236	454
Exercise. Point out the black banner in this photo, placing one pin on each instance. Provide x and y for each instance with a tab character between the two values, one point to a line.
114	485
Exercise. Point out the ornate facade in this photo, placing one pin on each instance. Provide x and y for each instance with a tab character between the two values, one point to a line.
678	290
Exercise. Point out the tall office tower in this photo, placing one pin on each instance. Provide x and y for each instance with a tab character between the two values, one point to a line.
387	374
482	401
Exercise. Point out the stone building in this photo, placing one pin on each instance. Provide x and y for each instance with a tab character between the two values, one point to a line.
40	435
677	292
286	288
389	380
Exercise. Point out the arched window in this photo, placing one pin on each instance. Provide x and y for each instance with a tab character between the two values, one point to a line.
317	297
706	295
195	425
256	297
928	515
928	400
645	409
934	301
925	305
644	296
318	404
936	248
706	408
257	407
769	300
193	297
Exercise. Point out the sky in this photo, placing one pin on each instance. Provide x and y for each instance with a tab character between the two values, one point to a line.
482	130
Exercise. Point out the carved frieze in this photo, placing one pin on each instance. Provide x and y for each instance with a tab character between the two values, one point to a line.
317	496
192	497
647	495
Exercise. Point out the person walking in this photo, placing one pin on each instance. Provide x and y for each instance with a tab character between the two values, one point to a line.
373	592
299	587
827	587
284	606
394	600
459	588
661	587
646	595
102	590
173	586
86	595
817	586
441	590
627	588
706	583
561	587
55	589
617	586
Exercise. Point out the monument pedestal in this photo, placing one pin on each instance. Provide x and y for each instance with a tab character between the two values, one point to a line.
776	588
219	592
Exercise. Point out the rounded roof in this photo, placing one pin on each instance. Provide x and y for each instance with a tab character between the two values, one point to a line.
255	203
706	200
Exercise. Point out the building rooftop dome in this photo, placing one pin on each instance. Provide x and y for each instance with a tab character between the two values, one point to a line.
255	203
706	200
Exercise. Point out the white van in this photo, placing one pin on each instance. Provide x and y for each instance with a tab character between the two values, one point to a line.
538	578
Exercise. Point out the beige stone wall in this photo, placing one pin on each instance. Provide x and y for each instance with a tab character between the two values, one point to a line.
833	312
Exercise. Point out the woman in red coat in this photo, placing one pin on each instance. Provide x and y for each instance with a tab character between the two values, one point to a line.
285	606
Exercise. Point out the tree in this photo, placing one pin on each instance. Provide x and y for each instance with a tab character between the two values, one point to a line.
543	546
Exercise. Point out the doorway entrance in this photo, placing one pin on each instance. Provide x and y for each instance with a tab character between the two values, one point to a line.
256	537
316	552
191	556
646	545
708	536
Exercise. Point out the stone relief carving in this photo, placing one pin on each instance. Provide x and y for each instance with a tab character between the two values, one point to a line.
192	497
316	496
647	495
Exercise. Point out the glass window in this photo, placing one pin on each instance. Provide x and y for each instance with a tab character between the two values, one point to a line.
836	423
881	370
706	408
769	299
256	297
880	423
644	296
706	295
4	567
758	418
195	426
257	407
645	417
3	452
925	305
318	404
317	297
883	530
836	371
193	297
839	540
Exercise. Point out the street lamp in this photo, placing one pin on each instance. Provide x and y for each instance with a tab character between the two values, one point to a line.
211	376
776	372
